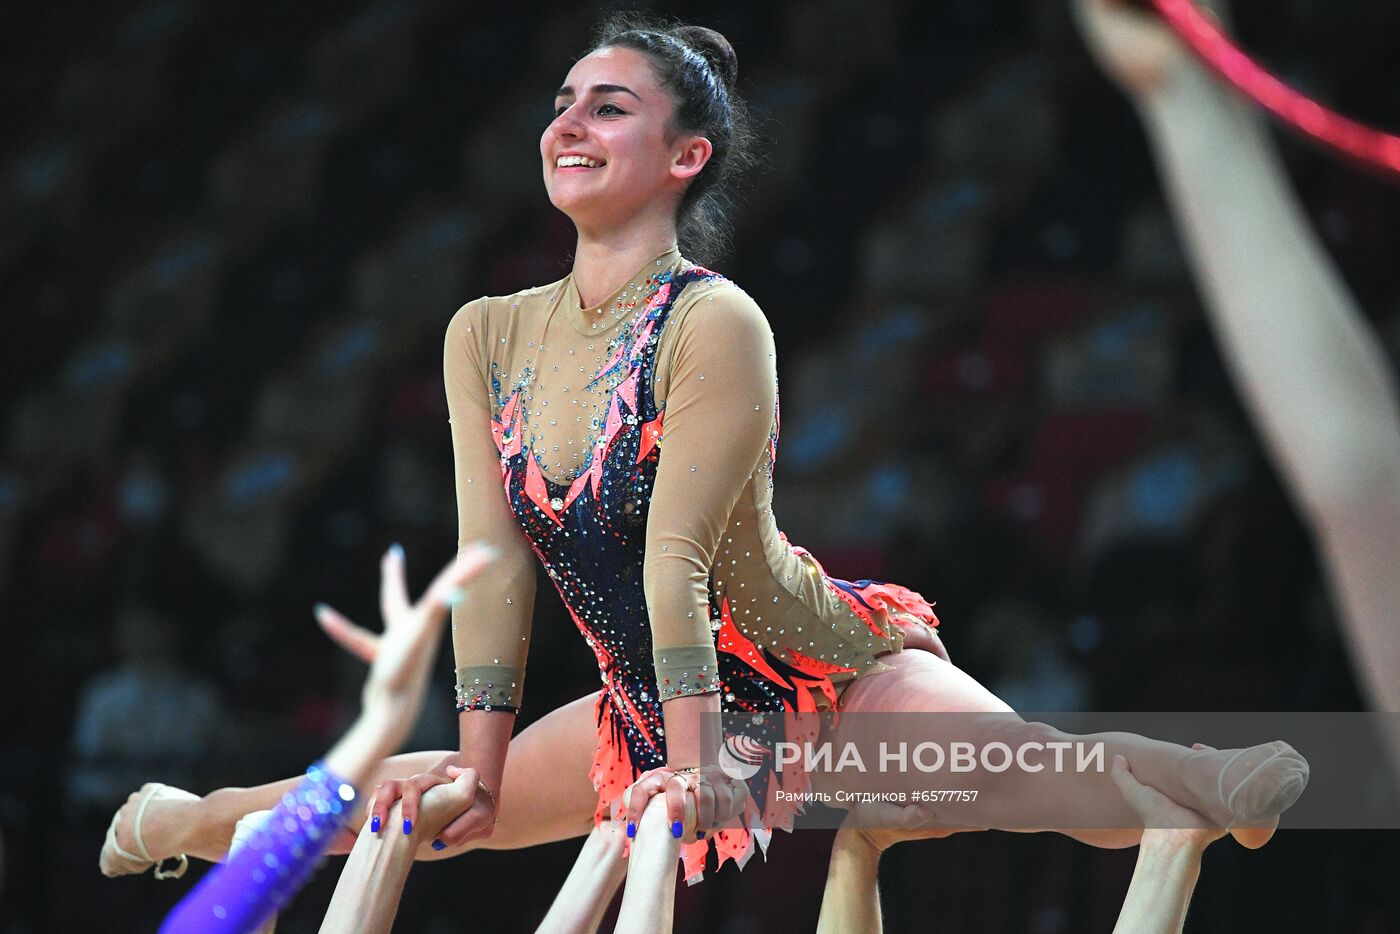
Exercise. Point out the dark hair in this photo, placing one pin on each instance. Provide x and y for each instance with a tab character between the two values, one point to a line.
699	68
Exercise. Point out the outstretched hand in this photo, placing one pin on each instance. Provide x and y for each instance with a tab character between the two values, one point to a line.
401	655
1134	47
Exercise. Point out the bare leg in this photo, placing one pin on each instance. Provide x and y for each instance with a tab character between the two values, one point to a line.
545	794
922	682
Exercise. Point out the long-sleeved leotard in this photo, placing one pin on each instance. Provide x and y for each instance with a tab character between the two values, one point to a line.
671	566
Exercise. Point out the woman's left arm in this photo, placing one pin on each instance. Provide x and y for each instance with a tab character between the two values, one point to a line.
720	394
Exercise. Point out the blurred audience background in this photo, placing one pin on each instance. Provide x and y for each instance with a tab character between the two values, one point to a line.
234	235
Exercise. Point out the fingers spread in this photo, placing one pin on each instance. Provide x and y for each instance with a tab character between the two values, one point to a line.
356	640
444	590
393	591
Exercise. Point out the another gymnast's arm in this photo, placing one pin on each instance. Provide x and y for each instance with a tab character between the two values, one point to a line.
370	887
1168	863
239	895
1312	372
1169	858
851	899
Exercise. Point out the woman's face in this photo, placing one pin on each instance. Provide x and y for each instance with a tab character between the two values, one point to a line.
610	153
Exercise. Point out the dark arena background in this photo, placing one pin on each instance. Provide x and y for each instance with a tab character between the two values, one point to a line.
233	234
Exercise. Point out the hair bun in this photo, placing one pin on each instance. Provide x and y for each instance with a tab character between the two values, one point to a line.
716	50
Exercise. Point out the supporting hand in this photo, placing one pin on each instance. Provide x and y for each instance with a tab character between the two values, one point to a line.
696	801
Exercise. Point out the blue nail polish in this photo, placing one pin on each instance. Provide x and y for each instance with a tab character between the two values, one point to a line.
439	845
397	551
320	610
454	596
407	826
374	824
699	834
676	829
631	830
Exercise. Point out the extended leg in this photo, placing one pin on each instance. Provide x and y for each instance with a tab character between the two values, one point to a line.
1016	799
546	794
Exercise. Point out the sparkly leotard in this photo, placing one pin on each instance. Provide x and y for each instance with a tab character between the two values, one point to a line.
672	567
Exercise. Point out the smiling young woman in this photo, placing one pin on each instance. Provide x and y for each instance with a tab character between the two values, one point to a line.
562	399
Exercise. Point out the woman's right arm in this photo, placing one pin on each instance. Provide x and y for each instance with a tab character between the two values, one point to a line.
491	626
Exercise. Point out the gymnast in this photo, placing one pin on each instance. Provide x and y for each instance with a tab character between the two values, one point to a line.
562	400
370	887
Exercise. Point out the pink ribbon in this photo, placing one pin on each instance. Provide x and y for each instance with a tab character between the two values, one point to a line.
1355	140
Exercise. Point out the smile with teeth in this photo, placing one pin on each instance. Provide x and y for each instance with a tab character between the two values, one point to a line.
566	161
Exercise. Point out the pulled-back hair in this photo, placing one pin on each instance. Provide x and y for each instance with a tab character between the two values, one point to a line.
699	69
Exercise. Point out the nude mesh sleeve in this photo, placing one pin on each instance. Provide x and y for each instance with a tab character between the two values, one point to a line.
491	626
720	393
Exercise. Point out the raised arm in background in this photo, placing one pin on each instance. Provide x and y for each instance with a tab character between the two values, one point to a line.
1313	374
